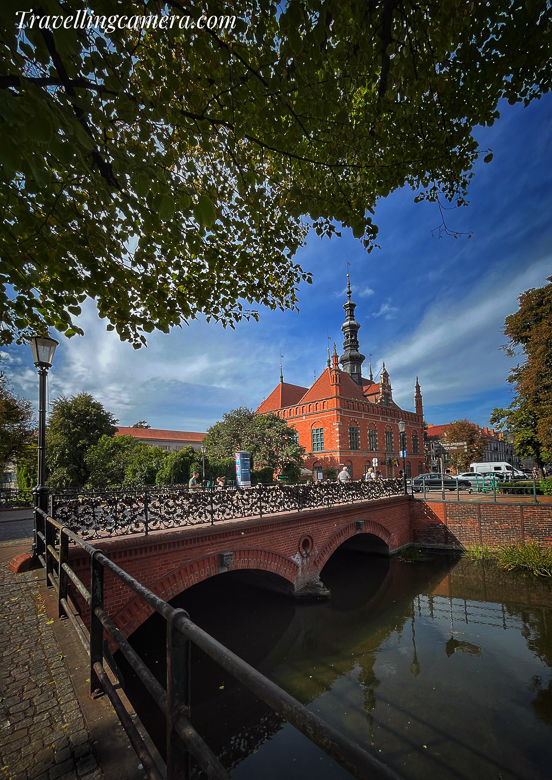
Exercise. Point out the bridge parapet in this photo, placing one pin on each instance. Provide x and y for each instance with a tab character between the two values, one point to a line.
120	513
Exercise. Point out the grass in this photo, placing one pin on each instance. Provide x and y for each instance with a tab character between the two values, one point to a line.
529	557
479	552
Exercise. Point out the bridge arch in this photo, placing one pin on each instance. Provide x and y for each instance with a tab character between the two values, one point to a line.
346	532
182	577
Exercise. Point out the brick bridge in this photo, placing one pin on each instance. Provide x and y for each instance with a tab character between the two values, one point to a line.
287	552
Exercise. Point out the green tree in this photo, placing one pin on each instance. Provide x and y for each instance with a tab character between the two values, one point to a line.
271	442
27	467
531	329
75	425
144	464
167	173
141	424
471	444
520	421
231	434
17	424
108	460
176	468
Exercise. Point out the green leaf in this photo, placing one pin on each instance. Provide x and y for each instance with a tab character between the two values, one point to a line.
204	211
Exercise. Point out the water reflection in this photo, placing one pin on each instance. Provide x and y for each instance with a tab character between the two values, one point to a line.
442	669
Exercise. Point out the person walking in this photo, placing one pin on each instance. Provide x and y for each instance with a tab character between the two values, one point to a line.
370	475
344	475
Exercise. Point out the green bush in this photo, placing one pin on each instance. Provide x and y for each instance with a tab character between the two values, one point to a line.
526	556
330	473
546	487
479	552
519	488
262	476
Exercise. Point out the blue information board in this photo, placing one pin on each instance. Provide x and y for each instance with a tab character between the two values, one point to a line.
243	469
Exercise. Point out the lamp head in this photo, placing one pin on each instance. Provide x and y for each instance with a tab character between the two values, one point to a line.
402	426
43	348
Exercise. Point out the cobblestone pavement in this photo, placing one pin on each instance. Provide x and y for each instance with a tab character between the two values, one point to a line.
43	735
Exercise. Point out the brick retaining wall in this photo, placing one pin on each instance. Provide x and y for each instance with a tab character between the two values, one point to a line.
457	525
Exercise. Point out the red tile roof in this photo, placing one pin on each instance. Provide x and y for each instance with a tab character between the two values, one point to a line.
157	433
370	388
323	388
283	395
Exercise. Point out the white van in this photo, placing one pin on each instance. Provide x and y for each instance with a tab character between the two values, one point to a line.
501	467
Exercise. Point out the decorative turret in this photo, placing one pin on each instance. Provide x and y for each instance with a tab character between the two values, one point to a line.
385	393
351	359
335	378
418	399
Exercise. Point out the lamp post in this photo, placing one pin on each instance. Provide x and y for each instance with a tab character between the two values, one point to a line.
43	349
402	435
203	451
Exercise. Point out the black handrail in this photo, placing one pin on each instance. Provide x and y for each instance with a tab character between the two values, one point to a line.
183	740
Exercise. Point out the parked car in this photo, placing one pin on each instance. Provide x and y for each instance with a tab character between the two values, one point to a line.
436	481
475	479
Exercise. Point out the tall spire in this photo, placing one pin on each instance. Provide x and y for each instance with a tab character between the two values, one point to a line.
418	399
281	371
351	359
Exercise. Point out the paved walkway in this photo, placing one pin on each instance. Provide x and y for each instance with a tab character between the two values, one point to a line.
49	728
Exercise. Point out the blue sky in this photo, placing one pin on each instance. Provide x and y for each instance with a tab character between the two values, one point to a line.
429	307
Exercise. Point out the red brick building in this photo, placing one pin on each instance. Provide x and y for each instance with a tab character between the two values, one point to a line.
344	418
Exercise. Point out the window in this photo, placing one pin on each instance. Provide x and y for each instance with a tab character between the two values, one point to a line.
415	443
317	439
354	438
420	468
389	441
294	436
408	471
372	439
386	399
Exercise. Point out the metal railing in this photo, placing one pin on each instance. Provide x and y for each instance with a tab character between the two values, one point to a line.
114	513
186	750
13	498
482	486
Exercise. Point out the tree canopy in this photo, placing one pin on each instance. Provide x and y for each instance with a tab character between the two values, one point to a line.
271	442
470	444
17	423
166	173
75	425
529	416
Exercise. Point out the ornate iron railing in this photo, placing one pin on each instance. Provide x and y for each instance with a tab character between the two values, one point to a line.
12	498
112	513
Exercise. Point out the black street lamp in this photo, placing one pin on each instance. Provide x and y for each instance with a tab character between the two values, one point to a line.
43	349
402	436
203	451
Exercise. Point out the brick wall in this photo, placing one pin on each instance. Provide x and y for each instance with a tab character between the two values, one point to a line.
457	525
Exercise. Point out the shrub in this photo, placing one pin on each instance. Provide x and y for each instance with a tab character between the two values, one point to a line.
330	473
526	556
518	488
413	555
546	487
479	552
263	476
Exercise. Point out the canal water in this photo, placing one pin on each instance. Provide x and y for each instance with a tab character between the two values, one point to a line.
441	669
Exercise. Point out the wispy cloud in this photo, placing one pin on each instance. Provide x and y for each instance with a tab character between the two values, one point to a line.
386	311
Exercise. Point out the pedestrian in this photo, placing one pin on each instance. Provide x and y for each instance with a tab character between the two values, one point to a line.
344	475
379	475
220	483
370	475
194	483
535	472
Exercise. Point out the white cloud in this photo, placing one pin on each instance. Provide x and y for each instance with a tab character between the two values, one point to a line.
386	311
455	350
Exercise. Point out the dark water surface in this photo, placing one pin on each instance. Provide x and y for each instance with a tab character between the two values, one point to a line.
442	669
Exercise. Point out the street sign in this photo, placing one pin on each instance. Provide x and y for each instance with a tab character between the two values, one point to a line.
374	462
